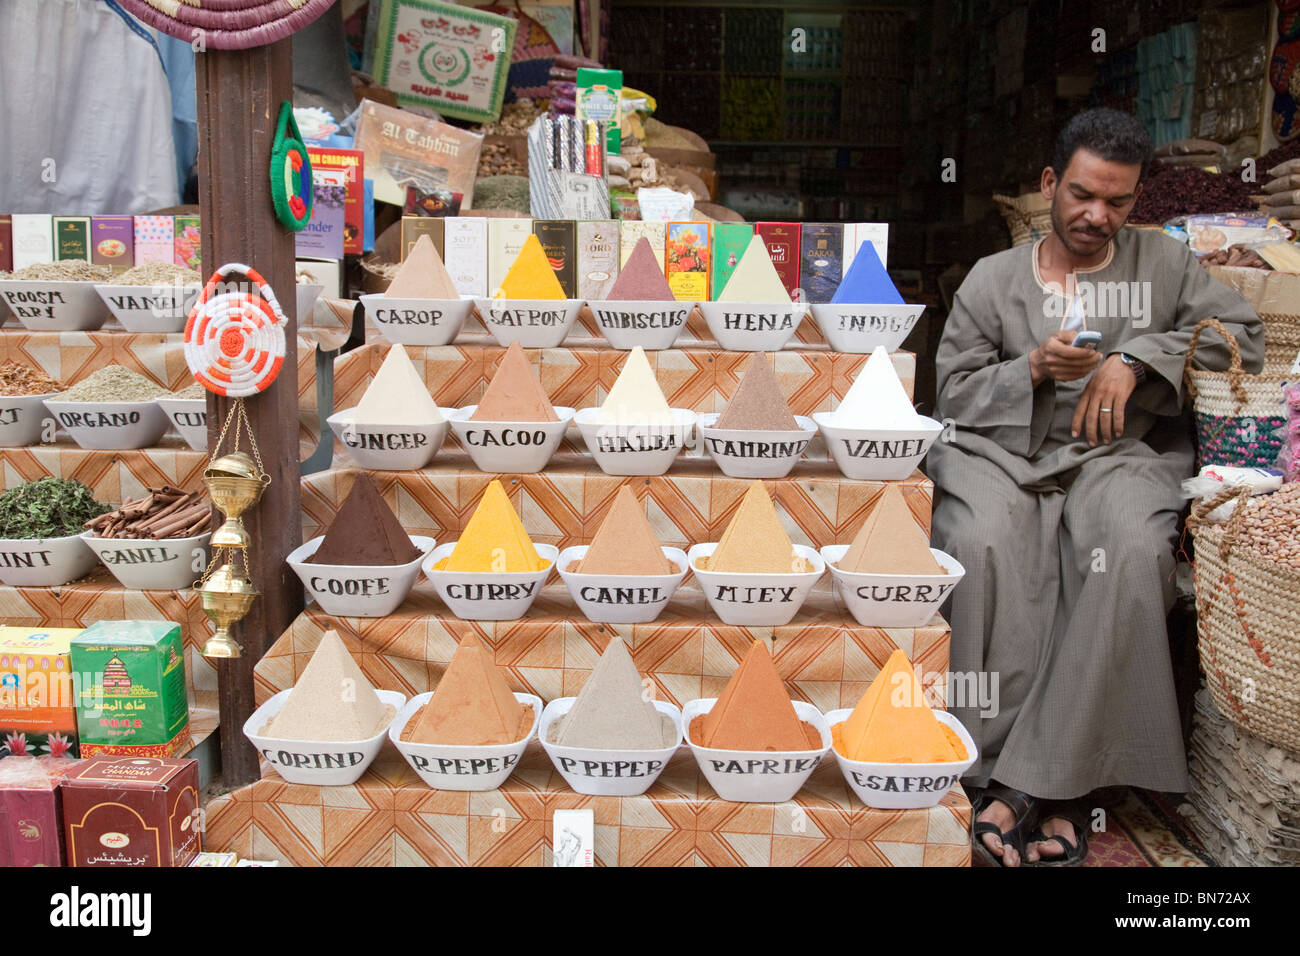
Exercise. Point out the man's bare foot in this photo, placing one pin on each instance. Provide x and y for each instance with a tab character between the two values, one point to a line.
1002	817
1050	849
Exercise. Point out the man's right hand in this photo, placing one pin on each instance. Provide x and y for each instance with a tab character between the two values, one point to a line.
1060	361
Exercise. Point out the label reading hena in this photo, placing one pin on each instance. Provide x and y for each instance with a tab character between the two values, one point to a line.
757	321
868	322
504	437
464	766
905	593
634	595
621	319
638	441
767	766
874	448
158	554
491	592
755	449
24	559
892	784
408	316
548	318
611	768
316	761
351	587
98	419
384	441
737	594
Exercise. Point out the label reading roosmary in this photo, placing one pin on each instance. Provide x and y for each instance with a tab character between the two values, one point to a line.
904	593
649	319
887	783
323	760
758	321
873	322
505	437
492	592
517	318
883	448
98	419
730	448
407	316
464	766
754	594
610	768
350	586
356	437
769	765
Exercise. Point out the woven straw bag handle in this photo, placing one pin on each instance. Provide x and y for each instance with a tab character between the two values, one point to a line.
1234	367
1012	205
1200	514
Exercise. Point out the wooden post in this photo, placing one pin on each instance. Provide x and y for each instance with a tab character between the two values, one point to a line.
239	97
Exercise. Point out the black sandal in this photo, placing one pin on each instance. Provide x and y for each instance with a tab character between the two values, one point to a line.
1073	814
1021	804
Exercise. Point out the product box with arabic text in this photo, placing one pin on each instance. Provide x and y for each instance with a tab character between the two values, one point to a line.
132	811
38	713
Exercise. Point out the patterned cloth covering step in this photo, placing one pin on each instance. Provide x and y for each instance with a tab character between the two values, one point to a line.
228	24
565	504
390	818
71	356
823	656
695	377
98	597
113	476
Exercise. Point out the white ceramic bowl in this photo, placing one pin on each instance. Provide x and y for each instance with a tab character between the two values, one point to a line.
621	598
189	416
448	767
511	448
357	590
904	786
635	449
485	595
389	447
145	564
533	323
893	600
111	425
22	418
876	454
46	306
753	326
860	328
320	763
417	321
755	453
653	325
150	308
756	776
607	773
44	562
756	600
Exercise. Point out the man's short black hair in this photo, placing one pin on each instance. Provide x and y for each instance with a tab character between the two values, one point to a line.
1114	136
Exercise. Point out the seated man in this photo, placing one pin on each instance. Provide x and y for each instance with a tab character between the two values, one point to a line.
1059	493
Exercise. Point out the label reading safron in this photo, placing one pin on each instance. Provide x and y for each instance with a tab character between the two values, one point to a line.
892	784
522	317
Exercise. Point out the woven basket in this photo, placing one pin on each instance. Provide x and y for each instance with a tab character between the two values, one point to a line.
228	24
1236	414
1248	622
1029	216
1275	296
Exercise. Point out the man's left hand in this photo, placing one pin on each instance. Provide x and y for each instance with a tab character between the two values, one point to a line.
1101	406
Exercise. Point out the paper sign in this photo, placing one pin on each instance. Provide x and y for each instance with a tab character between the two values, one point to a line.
573	840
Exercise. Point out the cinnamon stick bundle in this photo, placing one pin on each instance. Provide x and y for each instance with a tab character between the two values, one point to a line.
164	512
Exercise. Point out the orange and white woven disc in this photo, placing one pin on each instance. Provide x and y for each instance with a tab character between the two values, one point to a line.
234	338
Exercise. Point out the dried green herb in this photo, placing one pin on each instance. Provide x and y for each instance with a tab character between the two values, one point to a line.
47	508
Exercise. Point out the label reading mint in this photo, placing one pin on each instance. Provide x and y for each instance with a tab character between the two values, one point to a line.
736	594
505	438
24	559
464	766
757	321
755	449
873	448
491	592
611	768
766	766
408	316
351	587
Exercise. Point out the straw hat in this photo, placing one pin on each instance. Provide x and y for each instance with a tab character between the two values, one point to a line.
228	24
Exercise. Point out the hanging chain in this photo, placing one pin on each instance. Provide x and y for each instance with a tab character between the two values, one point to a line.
238	415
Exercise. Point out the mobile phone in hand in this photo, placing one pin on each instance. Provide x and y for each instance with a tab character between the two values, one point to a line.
1087	340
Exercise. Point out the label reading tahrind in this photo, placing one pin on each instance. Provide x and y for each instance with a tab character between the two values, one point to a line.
755	449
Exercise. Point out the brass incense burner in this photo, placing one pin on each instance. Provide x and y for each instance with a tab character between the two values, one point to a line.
235	482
